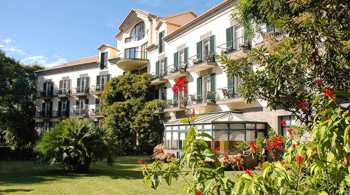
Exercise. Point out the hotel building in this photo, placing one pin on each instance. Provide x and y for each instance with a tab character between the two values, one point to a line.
183	45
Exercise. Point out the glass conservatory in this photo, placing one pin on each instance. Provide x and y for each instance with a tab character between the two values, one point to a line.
227	129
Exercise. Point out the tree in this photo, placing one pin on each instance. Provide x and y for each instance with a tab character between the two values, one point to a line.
132	114
311	48
74	143
304	71
17	108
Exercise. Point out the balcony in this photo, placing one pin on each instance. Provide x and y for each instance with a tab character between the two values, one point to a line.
47	94
133	60
158	79
63	93
236	49
97	113
81	113
175	72
233	100
204	103
81	92
175	106
99	89
198	65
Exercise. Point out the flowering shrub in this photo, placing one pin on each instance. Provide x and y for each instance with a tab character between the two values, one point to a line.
160	154
275	147
180	85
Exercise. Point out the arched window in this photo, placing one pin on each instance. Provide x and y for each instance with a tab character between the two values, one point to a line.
138	32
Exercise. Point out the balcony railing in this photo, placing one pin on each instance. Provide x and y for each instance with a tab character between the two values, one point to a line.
196	60
47	94
239	44
82	91
135	55
209	97
81	112
229	93
63	92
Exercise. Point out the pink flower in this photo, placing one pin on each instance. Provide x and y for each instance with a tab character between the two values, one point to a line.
283	123
249	172
328	92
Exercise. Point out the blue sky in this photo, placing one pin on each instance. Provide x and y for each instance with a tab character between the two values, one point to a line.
51	32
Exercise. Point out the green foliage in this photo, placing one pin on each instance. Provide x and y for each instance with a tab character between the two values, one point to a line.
132	114
74	143
17	108
316	48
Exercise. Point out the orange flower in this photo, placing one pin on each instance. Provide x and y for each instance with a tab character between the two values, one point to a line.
141	162
294	146
290	131
299	159
253	147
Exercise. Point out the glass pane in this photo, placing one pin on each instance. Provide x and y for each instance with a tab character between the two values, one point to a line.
175	135
220	126
237	126
237	136
220	135
261	126
250	126
250	135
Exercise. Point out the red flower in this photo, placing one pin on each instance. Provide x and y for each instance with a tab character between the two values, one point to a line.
193	114
328	92
275	144
253	147
319	82
198	193
299	159
180	85
141	162
302	104
283	123
237	158
290	131
249	172
294	146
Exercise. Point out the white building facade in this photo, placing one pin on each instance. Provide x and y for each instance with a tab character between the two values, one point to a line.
182	46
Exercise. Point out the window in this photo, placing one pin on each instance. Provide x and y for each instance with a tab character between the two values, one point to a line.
286	122
235	39
63	107
101	81
161	42
97	105
103	60
131	53
162	93
64	86
180	58
161	67
206	50
138	32
206	88
83	84
48	88
82	107
233	86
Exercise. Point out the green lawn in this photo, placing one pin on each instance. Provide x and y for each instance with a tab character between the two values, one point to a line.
124	177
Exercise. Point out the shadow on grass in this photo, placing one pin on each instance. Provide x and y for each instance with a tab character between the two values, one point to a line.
29	172
15	190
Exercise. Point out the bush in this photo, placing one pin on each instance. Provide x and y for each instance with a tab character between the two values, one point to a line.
160	154
75	144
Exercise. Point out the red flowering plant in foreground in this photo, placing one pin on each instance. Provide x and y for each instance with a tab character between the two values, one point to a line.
302	104
180	85
275	147
328	92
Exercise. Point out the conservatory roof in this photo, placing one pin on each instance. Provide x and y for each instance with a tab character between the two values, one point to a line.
218	117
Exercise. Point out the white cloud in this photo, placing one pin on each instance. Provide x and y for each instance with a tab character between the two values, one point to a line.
9	47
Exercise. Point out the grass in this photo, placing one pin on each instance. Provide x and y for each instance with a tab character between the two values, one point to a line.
123	177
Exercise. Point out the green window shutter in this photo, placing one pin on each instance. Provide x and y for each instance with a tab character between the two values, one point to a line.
59	107
50	109
212	45
199	89
230	84
234	37
45	86
175	99
176	60
87	84
102	60
157	68
229	38
186	55
68	107
108	77
199	50
213	83
78	83
160	42
98	80
61	84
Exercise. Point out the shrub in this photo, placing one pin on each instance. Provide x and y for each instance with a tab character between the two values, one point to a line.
160	154
75	144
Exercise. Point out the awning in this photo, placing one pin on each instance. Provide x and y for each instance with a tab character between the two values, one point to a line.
214	118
